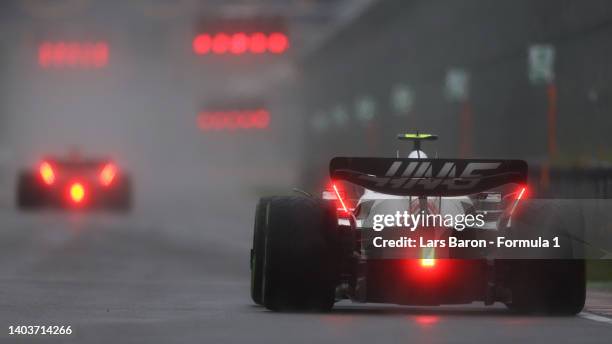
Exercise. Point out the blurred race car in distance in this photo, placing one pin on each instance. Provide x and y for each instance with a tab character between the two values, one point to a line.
74	183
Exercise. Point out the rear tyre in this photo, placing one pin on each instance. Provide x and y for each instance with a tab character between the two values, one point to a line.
301	255
550	281
29	192
556	287
121	199
257	251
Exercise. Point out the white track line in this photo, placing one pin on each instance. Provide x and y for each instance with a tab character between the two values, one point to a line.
595	317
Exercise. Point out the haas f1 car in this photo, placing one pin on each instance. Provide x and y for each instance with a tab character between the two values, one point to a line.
74	183
310	252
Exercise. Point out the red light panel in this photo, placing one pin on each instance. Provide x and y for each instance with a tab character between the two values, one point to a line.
85	55
234	120
240	43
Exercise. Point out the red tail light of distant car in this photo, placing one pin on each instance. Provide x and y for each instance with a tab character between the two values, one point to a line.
46	173
107	174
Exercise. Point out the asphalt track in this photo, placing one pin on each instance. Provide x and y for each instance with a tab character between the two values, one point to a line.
176	271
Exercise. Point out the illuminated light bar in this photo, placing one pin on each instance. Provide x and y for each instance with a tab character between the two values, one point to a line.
335	193
240	43
83	55
234	120
344	208
521	193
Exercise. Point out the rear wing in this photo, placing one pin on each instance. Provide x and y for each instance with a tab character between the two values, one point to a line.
428	177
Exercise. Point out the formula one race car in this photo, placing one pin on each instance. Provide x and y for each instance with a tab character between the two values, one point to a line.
74	183
309	252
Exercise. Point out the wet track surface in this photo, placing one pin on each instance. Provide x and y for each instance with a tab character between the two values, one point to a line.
177	272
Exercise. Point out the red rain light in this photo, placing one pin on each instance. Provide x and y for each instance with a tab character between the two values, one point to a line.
108	173
428	257
73	55
521	193
46	173
77	192
344	208
428	262
333	192
233	120
240	43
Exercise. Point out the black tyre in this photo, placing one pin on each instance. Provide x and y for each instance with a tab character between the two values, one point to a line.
556	287
257	251
301	255
553	280
29	192
121	196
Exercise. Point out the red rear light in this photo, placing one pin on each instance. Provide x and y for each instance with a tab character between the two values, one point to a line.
334	192
428	262
342	204
108	173
77	192
429	259
46	173
521	193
